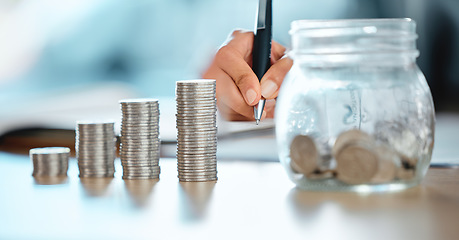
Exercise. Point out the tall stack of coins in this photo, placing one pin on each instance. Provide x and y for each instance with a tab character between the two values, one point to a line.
50	161
140	142
95	147
196	130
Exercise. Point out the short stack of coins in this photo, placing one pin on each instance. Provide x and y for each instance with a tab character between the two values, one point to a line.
50	161
140	144
196	130
95	147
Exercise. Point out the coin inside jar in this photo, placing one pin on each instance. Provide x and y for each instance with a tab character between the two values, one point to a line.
386	165
303	154
350	137
356	163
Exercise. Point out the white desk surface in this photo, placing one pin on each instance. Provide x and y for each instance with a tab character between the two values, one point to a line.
251	200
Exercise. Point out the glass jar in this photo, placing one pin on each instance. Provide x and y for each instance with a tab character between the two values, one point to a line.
355	112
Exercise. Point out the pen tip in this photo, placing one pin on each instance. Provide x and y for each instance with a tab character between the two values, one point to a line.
258	121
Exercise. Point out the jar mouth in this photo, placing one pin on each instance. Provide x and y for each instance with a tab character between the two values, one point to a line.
354	37
351	26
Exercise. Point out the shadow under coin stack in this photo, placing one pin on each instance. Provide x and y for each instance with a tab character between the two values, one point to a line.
50	161
140	142
196	130
95	148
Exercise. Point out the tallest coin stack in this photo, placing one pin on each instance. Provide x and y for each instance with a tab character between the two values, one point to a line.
196	130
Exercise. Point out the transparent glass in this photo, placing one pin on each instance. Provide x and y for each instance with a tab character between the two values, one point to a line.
355	112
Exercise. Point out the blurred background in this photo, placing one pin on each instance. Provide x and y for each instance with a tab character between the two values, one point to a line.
85	54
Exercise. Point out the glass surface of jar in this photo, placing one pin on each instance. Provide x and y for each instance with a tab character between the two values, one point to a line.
355	112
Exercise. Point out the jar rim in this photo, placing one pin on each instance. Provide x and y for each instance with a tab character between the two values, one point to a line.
355	39
306	24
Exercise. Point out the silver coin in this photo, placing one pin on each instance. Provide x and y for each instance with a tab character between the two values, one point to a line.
198	123
140	178
145	135
95	156
195	98
139	101
140	171
140	164
139	106
197	175
197	178
198	168
204	157
196	82
126	113
202	85
147	153
198	119
201	127
139	158
134	159
212	165
199	144
197	149
94	125
49	150
196	158
146	165
140	147
87	174
141	129
88	158
210	114
89	148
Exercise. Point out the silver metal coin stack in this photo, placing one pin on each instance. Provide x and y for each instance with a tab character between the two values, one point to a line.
50	161
139	150
95	147
196	130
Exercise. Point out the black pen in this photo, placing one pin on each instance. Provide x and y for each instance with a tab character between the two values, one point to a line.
261	54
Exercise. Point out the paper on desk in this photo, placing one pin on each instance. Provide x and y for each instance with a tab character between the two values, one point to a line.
61	109
168	130
446	149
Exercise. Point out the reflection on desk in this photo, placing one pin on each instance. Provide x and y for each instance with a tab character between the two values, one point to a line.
251	200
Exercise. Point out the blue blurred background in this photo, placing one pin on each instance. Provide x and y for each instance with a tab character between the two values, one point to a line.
146	45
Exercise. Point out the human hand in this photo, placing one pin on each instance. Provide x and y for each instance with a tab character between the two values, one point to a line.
238	88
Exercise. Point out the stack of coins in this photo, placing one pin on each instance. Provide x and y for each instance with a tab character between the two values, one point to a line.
95	147
196	130
50	161
140	142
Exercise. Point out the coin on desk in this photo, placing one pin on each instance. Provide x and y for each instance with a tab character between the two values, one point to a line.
303	154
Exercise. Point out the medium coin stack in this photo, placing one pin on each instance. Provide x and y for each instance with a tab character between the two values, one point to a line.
140	142
95	147
196	130
50	161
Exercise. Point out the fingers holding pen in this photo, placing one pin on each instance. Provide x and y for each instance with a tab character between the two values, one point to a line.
231	61
230	101
274	77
